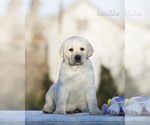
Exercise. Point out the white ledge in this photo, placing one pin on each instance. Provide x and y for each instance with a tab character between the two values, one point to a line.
39	118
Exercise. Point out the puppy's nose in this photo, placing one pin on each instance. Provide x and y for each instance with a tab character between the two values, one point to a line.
77	57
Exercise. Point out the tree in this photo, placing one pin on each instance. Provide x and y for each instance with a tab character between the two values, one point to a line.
130	88
107	88
37	77
46	84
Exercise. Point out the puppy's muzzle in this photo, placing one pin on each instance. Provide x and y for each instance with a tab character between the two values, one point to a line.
78	58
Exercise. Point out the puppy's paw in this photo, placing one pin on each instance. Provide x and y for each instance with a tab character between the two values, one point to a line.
60	112
96	112
47	111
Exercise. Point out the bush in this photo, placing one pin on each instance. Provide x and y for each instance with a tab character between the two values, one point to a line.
106	88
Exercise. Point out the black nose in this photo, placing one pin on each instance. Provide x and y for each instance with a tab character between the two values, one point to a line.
77	57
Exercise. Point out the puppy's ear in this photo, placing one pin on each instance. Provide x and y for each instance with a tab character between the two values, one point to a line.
61	51
89	50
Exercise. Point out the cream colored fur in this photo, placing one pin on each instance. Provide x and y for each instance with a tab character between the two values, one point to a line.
75	88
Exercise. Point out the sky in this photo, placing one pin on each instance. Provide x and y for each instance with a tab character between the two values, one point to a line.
51	7
4	6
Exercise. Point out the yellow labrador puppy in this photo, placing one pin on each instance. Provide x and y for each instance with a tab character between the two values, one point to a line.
75	87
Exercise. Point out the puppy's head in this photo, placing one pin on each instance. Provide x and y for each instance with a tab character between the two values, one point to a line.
75	50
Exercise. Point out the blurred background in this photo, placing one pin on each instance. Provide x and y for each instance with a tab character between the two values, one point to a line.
32	31
137	48
49	23
12	55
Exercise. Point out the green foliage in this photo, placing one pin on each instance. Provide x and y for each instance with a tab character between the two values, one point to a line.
106	88
130	88
46	84
34	102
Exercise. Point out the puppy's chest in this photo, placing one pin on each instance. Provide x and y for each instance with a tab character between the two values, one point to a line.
78	88
77	93
79	77
78	83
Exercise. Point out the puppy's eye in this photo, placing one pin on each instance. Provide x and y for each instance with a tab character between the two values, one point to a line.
82	49
70	49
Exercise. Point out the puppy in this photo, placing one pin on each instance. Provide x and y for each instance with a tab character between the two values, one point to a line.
75	88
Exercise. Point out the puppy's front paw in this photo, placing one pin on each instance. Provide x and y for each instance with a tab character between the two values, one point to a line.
60	112
96	112
47	111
